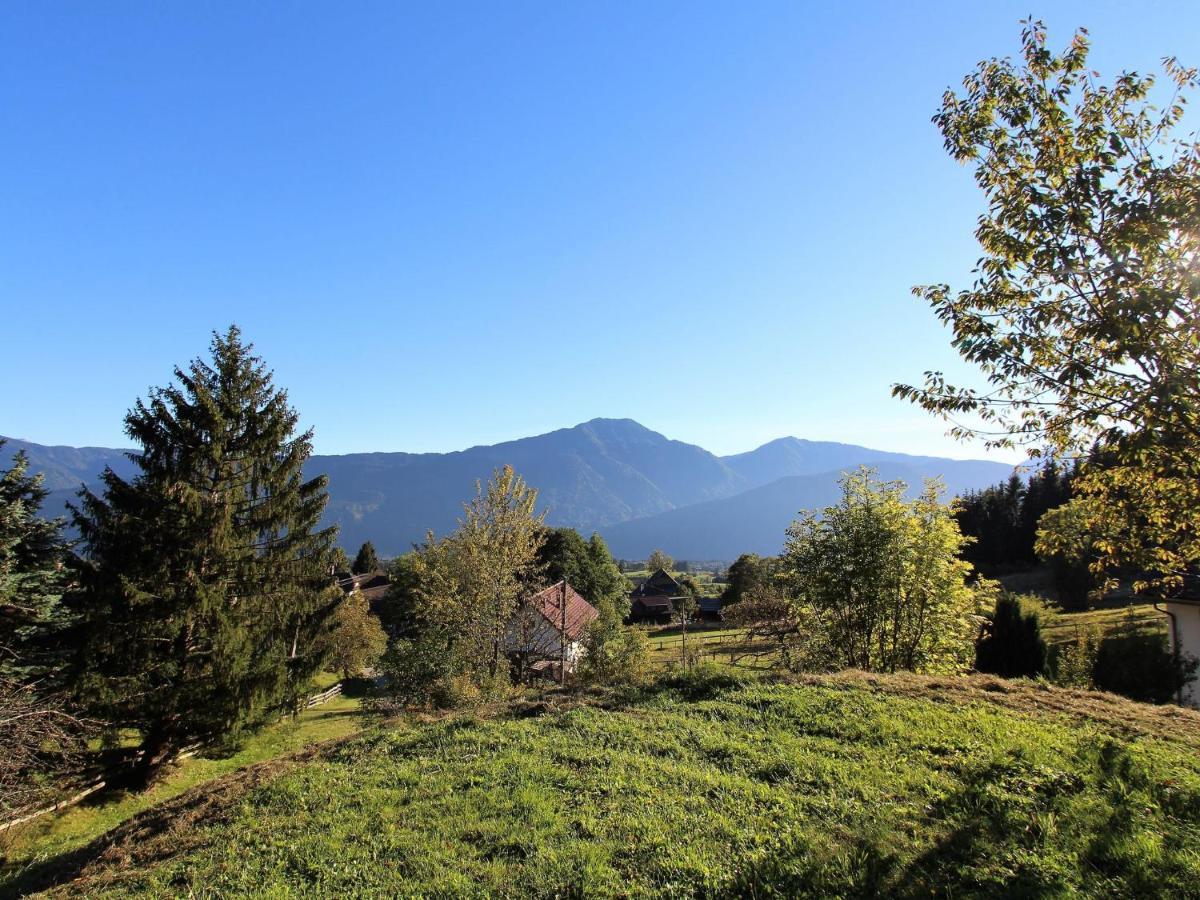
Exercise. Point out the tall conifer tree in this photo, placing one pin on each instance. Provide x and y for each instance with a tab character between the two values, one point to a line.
204	582
367	560
32	620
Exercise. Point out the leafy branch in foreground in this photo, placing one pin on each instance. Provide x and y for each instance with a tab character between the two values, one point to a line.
1084	316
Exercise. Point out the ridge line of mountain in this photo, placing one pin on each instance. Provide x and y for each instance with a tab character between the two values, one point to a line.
601	475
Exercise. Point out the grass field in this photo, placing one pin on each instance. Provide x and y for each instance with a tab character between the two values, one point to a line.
58	833
720	643
1060	627
847	785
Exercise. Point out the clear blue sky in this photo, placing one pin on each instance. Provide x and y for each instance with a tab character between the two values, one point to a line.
446	225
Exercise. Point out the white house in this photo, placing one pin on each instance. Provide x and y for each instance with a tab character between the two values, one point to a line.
1183	614
545	637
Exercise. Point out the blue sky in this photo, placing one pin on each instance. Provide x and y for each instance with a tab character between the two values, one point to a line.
447	225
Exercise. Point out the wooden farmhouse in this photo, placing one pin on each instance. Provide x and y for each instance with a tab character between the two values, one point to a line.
653	599
545	637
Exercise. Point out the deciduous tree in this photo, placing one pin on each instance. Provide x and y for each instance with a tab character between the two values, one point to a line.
356	638
881	579
472	583
748	572
1084	316
659	560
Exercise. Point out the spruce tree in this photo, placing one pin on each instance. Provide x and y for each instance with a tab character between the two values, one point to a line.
204	580
1013	646
366	561
39	736
32	618
339	561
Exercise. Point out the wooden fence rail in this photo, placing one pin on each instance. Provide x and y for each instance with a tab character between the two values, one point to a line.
323	697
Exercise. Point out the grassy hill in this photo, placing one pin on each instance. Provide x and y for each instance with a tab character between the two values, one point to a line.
848	785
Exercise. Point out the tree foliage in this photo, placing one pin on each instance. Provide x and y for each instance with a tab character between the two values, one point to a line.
204	582
613	652
659	560
39	735
356	639
747	573
366	560
766	613
880	580
33	619
338	560
1084	316
1012	645
1003	519
469	587
586	565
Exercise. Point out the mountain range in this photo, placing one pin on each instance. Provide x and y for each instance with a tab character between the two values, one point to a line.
639	489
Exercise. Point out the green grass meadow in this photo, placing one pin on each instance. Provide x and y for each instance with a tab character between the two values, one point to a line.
707	785
58	833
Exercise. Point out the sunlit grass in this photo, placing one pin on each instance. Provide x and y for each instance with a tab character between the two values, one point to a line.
707	785
56	833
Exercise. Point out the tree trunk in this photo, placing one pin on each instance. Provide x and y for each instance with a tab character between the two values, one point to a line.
158	748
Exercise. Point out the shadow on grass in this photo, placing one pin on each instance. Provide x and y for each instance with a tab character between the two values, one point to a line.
139	833
991	842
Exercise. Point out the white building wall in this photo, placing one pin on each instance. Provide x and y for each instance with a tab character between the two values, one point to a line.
540	639
1185	635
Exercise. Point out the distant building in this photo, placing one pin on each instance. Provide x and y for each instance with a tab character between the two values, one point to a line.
653	599
708	609
372	585
547	632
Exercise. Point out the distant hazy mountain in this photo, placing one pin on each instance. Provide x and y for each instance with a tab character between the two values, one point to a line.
639	488
593	475
794	456
66	468
756	520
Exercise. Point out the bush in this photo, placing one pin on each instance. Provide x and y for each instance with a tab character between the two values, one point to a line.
1129	661
1140	666
416	671
615	654
1075	663
703	681
1012	646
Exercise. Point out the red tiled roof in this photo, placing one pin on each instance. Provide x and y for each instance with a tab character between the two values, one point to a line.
580	613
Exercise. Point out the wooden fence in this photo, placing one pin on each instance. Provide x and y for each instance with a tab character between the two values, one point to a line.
323	697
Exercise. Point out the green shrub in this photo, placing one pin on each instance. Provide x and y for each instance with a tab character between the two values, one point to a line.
1140	666
1075	663
1013	646
615	654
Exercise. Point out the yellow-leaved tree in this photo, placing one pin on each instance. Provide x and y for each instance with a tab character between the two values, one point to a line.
877	583
1084	315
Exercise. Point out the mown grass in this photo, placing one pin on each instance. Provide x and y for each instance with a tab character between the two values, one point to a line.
1060	627
58	833
712	785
